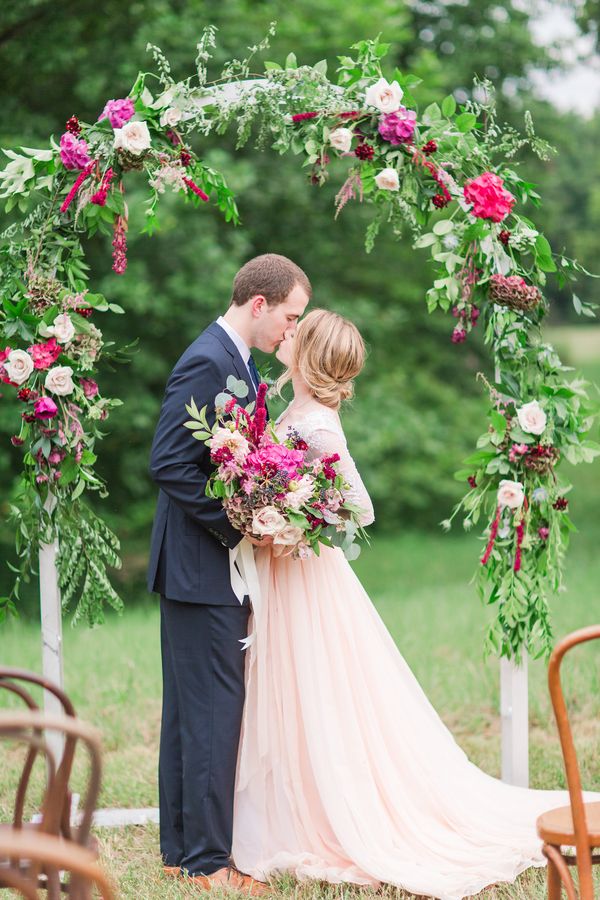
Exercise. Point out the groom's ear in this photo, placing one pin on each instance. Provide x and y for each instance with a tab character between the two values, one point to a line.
258	304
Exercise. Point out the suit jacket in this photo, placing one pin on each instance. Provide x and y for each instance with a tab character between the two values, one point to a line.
189	559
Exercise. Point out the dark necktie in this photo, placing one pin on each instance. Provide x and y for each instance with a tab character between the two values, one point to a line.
254	372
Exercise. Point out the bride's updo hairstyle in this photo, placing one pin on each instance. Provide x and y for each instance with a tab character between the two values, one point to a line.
328	352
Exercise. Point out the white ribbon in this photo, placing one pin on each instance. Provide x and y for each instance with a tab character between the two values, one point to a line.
244	581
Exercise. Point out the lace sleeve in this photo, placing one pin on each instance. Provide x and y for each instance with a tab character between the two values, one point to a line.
324	436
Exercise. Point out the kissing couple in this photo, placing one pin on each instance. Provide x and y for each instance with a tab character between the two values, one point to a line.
314	752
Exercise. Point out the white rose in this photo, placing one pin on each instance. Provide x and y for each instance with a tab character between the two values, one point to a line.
59	381
267	520
133	136
62	328
341	139
511	494
289	536
532	418
384	96
19	366
170	116
387	180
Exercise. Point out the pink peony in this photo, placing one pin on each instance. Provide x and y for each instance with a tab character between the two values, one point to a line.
489	198
275	458
118	112
45	408
90	388
44	355
398	127
73	152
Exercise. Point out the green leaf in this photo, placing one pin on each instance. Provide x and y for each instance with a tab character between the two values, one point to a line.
425	240
432	114
444	226
466	121
448	106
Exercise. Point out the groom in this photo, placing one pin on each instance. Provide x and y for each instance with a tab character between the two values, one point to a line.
202	621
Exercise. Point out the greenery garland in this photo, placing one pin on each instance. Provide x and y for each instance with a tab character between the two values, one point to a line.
448	174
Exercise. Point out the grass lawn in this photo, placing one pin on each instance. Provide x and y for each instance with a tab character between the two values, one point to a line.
420	585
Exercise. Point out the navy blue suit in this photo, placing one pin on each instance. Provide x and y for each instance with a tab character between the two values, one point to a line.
202	621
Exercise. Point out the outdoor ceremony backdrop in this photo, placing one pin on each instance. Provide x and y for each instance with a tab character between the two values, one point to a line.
60	59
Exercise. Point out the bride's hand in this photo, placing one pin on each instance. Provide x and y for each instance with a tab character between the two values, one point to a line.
260	542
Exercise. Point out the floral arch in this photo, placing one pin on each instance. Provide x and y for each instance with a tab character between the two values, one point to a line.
445	172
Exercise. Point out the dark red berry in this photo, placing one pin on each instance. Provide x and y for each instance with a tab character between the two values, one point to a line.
73	126
364	151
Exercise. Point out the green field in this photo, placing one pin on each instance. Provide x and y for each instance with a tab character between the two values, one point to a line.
420	585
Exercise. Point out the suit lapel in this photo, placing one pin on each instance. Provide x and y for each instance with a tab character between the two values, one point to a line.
238	363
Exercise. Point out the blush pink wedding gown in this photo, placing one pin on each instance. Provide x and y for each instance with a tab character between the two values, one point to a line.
346	773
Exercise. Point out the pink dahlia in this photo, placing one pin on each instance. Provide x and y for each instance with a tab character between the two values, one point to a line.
274	457
398	127
73	152
489	197
44	355
118	112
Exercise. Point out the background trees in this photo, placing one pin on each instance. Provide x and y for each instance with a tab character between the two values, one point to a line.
70	57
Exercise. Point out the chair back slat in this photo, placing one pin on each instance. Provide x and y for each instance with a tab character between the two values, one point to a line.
53	854
582	844
9	678
74	730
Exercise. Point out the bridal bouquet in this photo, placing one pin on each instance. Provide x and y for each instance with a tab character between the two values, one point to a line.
268	487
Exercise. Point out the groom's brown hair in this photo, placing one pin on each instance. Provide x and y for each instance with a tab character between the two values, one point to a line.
271	275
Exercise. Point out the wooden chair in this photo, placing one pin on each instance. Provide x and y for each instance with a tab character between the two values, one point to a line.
10	680
33	850
28	727
577	825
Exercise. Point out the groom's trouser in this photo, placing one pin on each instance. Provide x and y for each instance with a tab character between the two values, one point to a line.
203	699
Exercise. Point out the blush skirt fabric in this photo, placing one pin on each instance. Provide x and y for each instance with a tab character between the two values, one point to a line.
345	771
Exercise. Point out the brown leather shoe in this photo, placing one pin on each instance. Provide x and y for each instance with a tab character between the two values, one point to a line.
229	878
172	871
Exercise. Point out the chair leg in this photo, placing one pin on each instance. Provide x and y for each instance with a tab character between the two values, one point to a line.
554	882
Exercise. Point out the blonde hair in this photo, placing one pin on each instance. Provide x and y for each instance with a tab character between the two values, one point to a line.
328	353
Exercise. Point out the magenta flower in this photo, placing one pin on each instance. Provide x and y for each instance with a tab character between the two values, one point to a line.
73	152
118	112
44	355
544	533
45	408
274	458
90	388
489	197
398	127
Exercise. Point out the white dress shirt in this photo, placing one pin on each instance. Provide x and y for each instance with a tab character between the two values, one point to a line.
240	343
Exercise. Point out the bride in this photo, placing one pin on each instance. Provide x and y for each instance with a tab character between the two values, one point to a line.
345	771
